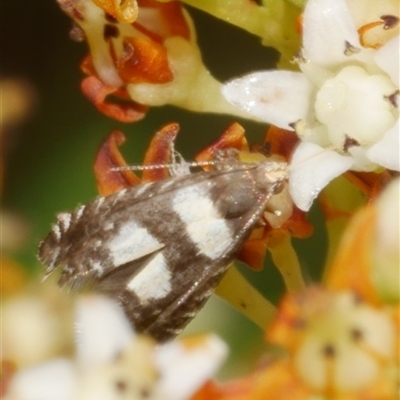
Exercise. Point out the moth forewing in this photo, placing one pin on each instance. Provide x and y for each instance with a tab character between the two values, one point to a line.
161	248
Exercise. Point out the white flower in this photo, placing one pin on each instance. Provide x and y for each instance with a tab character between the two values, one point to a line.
344	100
113	363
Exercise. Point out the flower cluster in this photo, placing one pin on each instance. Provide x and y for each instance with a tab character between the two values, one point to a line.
112	362
345	99
333	110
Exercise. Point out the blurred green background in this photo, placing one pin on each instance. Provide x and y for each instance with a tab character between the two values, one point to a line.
48	158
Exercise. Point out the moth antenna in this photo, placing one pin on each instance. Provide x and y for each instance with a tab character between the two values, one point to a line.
190	164
179	166
292	166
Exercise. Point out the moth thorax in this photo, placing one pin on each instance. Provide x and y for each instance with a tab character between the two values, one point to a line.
271	176
238	194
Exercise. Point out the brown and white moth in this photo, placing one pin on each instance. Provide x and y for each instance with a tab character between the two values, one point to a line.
161	248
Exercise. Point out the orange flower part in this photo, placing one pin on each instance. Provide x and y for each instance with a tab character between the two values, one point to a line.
351	269
13	276
299	24
233	137
370	183
276	381
297	225
289	321
143	61
254	251
376	33
159	153
126	41
280	141
171	13
96	91
108	157
367	259
122	10
8	369
339	346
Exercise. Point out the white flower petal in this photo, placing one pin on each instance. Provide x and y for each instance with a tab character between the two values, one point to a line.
49	381
184	368
327	25
386	152
311	169
342	101
277	97
361	162
387	58
102	330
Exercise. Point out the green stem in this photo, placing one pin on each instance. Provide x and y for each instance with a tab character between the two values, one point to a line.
285	259
237	291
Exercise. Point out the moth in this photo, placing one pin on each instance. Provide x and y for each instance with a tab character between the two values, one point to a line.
161	248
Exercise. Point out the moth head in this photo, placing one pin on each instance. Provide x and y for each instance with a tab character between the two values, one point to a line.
275	174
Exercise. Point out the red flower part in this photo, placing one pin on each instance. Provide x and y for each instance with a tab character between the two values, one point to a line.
159	152
143	60
171	14
97	91
108	157
233	137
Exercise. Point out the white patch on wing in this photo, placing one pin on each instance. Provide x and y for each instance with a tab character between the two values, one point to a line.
99	203
79	213
109	226
54	255
132	242
153	281
118	195
204	225
64	219
57	232
142	188
167	183
96	265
